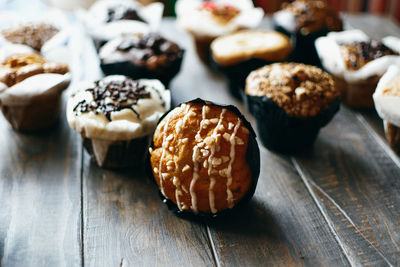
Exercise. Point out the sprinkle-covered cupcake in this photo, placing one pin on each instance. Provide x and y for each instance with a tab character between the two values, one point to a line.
290	102
30	91
239	53
142	56
357	63
206	20
304	21
387	103
204	158
115	117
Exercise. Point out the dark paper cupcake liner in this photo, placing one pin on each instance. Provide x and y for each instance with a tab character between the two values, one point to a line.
282	133
252	157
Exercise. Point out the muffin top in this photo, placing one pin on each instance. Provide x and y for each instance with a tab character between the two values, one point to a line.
33	35
117	108
308	16
199	157
303	91
151	51
247	44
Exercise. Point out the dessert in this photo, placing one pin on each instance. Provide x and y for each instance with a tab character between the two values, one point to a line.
142	56
387	103
206	20
357	63
304	21
239	53
290	102
31	88
115	117
204	158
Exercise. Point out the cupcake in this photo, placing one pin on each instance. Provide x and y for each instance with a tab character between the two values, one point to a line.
387	103
357	63
239	53
204	158
30	91
304	21
115	117
206	20
142	56
290	102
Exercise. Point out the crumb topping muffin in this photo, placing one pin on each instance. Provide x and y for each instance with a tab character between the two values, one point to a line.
199	157
301	90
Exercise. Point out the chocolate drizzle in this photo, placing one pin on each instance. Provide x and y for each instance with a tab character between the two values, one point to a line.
124	94
123	13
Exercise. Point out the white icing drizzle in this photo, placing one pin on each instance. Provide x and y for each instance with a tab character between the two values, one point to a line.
163	146
229	172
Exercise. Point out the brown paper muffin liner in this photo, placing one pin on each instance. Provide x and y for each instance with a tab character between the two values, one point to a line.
392	133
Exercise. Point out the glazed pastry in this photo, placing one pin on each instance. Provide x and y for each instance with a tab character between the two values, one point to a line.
304	21
137	56
206	20
357	63
291	102
387	103
239	53
31	88
204	158
115	117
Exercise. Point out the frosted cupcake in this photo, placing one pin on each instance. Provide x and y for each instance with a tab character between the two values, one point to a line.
206	20
357	63
115	117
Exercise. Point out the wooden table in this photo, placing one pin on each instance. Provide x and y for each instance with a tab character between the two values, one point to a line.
335	205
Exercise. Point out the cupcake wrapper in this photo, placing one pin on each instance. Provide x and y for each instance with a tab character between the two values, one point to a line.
252	157
282	133
117	154
392	133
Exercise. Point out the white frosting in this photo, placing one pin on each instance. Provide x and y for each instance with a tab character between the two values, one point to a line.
22	92
387	106
329	52
202	23
286	20
96	25
124	124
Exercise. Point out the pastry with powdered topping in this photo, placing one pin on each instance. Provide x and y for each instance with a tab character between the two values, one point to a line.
291	102
115	117
204	158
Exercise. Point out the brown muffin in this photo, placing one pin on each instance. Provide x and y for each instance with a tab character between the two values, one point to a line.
199	158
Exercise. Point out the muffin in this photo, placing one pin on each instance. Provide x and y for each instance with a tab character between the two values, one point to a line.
206	20
204	158
115	117
387	103
304	21
290	102
142	56
357	63
31	89
239	53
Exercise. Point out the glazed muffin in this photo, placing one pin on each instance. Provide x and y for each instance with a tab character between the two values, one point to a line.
304	21
387	103
31	89
357	63
206	20
290	102
204	158
142	56
115	117
239	53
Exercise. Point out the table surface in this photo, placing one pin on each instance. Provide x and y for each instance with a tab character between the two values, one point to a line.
337	204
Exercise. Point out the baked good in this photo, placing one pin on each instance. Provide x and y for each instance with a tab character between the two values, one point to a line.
357	63
387	103
304	21
206	20
239	53
31	88
142	56
204	158
290	102
115	116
